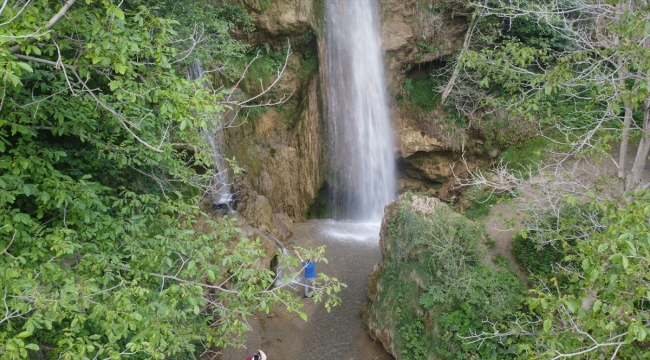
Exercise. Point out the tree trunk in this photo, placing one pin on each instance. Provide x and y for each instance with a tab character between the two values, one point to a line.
625	140
466	43
634	177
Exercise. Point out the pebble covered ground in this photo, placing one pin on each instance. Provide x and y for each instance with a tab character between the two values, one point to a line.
352	252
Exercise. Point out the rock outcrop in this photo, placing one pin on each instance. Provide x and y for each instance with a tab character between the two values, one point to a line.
420	39
381	326
434	284
282	148
415	33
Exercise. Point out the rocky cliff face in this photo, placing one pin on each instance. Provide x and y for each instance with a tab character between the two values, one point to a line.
434	143
417	32
281	148
284	148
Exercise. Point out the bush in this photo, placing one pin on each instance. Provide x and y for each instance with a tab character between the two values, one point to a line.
536	259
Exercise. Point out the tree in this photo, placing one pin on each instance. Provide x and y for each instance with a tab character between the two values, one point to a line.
104	251
587	77
600	308
590	79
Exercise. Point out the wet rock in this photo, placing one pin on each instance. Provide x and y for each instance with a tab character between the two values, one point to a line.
284	151
283	226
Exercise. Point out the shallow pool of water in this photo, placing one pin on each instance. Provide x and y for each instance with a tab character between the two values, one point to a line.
352	252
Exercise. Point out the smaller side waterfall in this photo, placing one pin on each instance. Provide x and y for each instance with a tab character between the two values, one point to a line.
219	191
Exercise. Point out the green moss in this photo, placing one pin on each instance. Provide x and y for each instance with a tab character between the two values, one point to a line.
526	155
308	65
420	93
265	4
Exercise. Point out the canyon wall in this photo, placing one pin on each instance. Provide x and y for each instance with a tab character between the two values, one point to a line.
285	148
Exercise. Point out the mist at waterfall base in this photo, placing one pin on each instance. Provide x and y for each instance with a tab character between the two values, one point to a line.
363	174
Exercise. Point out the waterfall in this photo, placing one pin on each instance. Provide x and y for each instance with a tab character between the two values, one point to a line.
219	190
363	176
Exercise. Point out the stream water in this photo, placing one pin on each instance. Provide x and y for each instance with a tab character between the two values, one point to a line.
352	252
219	189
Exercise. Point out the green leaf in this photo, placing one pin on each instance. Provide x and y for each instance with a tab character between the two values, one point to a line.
26	67
597	305
572	305
24	334
118	13
119	68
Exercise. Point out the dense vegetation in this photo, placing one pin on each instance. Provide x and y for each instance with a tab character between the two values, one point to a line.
435	289
579	70
104	250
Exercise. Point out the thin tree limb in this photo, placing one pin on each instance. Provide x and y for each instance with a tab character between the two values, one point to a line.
50	24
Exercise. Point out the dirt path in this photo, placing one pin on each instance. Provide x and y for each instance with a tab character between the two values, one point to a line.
352	251
573	178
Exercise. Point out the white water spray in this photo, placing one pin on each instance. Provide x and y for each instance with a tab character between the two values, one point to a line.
364	176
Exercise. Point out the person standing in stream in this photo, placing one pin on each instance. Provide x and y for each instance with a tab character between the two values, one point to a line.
310	273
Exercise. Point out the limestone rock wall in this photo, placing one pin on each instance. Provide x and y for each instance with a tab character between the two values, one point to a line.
432	145
416	32
282	148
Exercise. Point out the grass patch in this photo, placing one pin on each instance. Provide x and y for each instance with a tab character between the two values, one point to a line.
481	201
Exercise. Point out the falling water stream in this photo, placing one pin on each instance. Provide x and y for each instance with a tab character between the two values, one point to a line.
363	179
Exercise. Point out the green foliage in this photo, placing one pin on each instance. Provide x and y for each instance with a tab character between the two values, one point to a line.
480	202
420	94
439	253
413	332
104	252
260	67
542	35
607	292
600	289
523	159
542	68
210	26
421	91
535	258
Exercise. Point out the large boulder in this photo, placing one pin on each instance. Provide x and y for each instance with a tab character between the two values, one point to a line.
434	284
